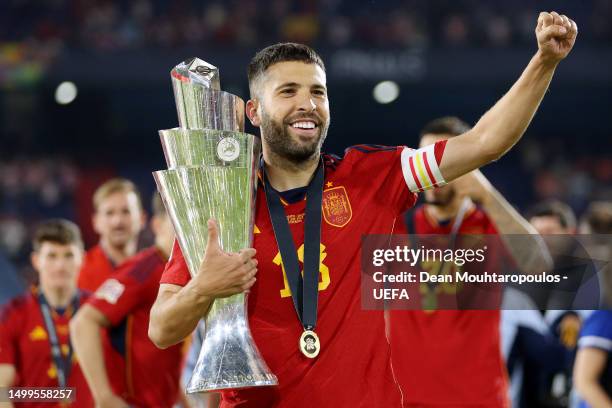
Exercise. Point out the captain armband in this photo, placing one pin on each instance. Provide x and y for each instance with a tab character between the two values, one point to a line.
421	167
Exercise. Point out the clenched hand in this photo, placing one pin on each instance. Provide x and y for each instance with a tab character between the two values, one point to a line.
556	36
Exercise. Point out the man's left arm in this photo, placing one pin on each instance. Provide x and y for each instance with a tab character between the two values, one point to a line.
526	246
85	334
108	306
504	124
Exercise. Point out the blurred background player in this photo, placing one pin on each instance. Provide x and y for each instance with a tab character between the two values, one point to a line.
556	222
592	370
152	375
457	353
552	217
35	345
118	219
547	381
597	222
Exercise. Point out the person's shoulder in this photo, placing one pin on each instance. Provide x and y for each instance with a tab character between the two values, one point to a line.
598	324
143	265
479	216
18	306
93	256
479	212
363	156
94	251
370	150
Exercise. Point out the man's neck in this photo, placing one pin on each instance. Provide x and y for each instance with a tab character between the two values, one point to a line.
284	175
58	298
163	249
445	212
118	254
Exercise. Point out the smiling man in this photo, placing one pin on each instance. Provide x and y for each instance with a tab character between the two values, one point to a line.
312	209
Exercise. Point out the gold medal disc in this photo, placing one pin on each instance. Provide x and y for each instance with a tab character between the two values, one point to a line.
309	344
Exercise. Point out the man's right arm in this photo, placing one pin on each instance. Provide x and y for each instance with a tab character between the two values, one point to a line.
176	313
178	309
590	364
7	378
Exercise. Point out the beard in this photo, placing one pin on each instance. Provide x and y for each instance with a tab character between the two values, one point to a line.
284	145
440	198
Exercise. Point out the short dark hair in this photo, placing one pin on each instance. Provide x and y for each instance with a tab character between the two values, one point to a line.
57	231
554	208
599	217
280	52
446	125
157	205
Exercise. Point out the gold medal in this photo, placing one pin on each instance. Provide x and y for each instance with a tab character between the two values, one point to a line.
309	344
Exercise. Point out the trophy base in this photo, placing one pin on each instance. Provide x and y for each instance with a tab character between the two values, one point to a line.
229	357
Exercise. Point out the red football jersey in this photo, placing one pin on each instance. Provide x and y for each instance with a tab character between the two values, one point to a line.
96	269
152	375
24	343
449	358
363	194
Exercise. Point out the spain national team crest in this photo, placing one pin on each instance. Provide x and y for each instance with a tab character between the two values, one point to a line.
336	207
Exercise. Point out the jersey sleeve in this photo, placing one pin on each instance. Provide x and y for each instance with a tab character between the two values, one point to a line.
597	331
176	271
8	336
397	173
118	296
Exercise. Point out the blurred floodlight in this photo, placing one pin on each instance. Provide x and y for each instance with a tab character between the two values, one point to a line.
65	93
386	92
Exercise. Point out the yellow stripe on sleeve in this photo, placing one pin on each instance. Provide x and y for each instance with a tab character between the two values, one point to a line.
425	182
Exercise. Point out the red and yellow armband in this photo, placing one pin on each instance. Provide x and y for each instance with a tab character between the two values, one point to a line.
421	167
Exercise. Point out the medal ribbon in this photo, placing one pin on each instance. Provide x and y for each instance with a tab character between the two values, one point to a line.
62	365
304	290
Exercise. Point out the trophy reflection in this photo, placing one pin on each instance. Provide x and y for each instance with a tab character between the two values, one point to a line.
212	173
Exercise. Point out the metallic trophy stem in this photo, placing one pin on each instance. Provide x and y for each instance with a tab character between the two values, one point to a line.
212	173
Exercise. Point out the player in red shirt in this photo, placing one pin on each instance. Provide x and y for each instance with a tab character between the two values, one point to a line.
359	194
35	347
453	357
118	218
152	375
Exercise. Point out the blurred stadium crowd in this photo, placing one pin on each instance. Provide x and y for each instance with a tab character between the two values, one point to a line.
109	25
35	32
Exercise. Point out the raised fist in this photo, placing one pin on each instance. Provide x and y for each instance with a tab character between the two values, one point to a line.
556	36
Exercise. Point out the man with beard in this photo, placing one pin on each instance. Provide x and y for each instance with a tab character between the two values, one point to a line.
457	353
312	210
118	219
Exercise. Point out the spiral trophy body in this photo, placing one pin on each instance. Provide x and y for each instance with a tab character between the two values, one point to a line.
212	173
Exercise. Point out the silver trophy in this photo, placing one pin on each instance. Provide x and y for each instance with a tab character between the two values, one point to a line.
212	173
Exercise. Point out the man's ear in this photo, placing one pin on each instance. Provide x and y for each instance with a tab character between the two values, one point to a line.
154	223
95	223
35	260
252	112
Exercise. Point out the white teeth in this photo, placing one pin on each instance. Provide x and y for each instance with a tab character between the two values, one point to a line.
304	125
